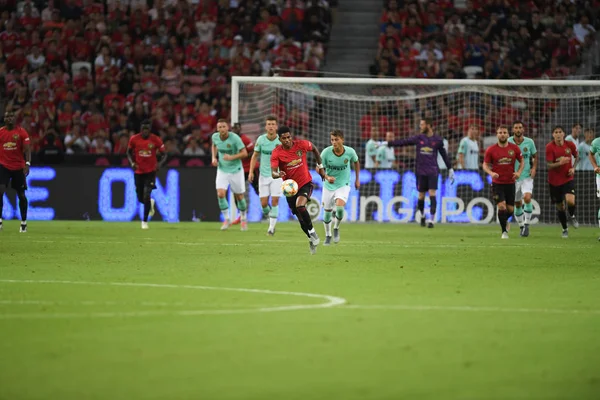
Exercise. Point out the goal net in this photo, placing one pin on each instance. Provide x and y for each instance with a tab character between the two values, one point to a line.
365	108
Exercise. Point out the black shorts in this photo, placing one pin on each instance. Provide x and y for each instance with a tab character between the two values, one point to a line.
427	182
503	192
254	183
143	181
16	178
304	191
557	193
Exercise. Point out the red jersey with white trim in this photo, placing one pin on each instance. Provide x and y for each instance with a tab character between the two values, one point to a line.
144	152
293	161
503	161
560	175
12	142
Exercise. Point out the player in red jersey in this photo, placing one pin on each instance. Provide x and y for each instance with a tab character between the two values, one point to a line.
15	160
288	161
561	172
499	163
142	154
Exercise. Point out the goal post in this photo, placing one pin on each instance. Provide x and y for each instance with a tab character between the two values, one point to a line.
362	107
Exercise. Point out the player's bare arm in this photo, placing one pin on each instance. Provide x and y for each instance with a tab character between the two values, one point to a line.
488	170
253	159
130	158
357	172
162	159
320	168
461	160
213	152
592	158
572	169
231	157
518	173
27	151
533	169
276	173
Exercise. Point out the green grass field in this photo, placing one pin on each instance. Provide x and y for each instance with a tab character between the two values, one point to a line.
108	311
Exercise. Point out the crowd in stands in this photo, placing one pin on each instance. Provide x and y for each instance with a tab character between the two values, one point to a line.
81	75
489	39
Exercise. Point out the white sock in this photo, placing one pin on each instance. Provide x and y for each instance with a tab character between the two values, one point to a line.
336	223
243	215
327	228
519	219
312	231
225	213
272	223
527	217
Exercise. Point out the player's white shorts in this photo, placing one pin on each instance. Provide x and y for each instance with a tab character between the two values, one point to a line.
522	187
235	180
330	196
598	186
267	186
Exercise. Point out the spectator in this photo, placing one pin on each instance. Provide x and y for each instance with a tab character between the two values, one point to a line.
583	28
193	149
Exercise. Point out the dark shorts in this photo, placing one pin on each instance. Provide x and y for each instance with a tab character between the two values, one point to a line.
16	178
254	183
143	181
304	191
557	193
503	192
427	182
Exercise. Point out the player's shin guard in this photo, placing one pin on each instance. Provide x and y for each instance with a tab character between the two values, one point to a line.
339	215
528	207
432	207
224	207
503	218
421	207
243	207
562	217
519	215
265	210
273	217
23	206
327	222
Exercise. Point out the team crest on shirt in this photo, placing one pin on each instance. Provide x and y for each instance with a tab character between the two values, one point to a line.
345	161
525	150
15	136
567	151
511	153
299	153
150	145
228	146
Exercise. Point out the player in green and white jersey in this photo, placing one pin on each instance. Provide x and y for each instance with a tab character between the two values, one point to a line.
267	186
371	149
337	160
584	151
468	149
595	160
574	136
524	185
227	151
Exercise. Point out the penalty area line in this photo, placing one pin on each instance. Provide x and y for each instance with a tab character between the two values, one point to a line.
508	310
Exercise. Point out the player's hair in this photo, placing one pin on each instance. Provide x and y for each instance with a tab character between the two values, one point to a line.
476	126
146	122
576	124
588	130
501	127
282	130
518	121
337	133
221	120
427	121
271	118
558	127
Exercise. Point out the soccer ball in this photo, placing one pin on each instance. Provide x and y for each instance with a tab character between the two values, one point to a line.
289	187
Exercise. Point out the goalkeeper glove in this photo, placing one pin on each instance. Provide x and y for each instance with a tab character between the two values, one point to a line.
451	175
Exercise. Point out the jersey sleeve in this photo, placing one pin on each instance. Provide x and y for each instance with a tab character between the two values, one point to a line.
306	145
239	143
324	158
462	147
518	153
487	158
549	153
371	148
24	136
595	147
132	143
532	148
275	158
160	146
248	144
257	144
353	156
574	149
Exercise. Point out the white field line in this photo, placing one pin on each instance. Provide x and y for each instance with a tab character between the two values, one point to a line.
331	301
470	309
354	243
113	303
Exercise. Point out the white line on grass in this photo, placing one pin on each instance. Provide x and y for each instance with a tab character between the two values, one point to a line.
469	309
332	301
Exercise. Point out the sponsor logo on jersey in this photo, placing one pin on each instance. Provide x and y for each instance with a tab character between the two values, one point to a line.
10	146
145	153
505	160
426	150
295	162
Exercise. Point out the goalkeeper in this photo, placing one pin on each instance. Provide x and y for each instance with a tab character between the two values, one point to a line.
428	146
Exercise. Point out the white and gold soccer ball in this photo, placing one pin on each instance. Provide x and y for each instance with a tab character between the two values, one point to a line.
289	187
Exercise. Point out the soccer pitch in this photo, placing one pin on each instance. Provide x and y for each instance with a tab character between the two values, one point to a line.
107	311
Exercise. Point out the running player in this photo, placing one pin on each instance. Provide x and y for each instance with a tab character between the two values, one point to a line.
595	161
337	160
288	161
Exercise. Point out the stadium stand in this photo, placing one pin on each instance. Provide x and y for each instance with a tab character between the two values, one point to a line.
83	74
